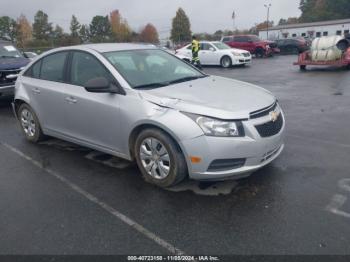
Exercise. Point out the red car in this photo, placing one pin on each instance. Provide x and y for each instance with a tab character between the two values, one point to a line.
253	44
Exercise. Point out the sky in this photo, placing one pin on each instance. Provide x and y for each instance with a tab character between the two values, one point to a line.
205	15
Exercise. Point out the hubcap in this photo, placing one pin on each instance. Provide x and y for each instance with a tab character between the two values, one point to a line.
28	123
155	158
226	62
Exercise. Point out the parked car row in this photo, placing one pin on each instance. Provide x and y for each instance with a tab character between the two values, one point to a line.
253	44
216	53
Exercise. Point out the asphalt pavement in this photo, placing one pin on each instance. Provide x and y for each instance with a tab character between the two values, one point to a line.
58	198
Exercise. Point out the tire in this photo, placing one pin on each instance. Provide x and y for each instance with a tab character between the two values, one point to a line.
30	125
159	158
259	53
302	67
226	62
348	67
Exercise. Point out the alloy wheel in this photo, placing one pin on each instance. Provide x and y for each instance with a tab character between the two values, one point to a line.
28	123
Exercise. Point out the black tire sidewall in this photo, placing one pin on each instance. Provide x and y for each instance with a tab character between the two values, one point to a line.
178	166
259	53
38	136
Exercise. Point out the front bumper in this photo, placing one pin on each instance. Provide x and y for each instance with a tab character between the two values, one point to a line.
257	152
243	60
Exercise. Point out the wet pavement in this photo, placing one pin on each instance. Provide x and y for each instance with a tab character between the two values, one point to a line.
300	204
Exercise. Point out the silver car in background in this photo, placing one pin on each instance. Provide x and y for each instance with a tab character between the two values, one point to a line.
141	103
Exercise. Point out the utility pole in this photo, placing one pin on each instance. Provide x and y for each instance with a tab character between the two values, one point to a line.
268	18
233	19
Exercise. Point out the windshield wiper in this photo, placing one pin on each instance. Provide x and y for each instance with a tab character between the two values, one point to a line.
176	81
185	79
152	85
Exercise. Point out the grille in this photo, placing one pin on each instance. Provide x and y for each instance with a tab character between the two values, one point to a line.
226	164
270	128
263	112
4	81
246	54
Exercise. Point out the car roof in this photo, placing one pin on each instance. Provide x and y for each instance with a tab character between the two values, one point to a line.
110	47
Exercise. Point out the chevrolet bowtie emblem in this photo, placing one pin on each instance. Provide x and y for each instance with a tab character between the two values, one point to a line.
274	116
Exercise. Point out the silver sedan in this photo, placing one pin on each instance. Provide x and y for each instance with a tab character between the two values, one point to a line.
141	103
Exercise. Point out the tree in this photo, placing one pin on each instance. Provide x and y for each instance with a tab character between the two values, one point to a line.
121	31
181	27
24	31
100	29
84	34
263	25
8	28
323	10
74	27
42	29
149	34
290	20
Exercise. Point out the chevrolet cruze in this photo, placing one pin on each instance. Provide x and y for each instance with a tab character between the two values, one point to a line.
141	103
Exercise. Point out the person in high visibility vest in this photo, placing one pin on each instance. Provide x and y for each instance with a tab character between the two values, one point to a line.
195	52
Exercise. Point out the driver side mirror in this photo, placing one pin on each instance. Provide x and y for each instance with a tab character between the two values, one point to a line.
212	49
103	85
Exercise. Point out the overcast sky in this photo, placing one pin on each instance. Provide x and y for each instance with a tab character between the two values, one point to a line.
205	15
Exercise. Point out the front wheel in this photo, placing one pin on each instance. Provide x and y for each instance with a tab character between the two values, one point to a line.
30	124
226	62
159	158
302	67
260	53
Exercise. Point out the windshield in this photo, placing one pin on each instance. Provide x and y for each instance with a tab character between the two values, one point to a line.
221	46
151	68
9	51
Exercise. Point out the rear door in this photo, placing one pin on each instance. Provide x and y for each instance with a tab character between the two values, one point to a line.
93	117
47	88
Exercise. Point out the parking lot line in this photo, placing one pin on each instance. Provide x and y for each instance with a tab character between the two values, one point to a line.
128	221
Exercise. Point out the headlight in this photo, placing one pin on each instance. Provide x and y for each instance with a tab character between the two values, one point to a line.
236	53
217	127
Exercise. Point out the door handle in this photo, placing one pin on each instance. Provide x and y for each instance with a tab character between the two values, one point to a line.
36	90
71	100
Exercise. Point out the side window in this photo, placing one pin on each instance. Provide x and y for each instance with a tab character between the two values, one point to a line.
205	46
226	39
34	70
86	67
53	66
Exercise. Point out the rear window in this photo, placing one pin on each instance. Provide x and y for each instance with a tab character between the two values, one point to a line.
227	39
52	68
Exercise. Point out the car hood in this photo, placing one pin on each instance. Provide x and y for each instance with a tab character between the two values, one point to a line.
240	51
13	63
212	96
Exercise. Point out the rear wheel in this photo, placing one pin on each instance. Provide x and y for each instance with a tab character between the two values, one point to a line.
30	124
159	158
226	62
302	67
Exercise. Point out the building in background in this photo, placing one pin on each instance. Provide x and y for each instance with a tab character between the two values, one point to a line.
309	30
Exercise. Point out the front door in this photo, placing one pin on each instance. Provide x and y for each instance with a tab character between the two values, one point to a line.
93	117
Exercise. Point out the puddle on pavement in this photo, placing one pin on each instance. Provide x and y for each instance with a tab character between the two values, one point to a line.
199	188
206	188
63	145
108	160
